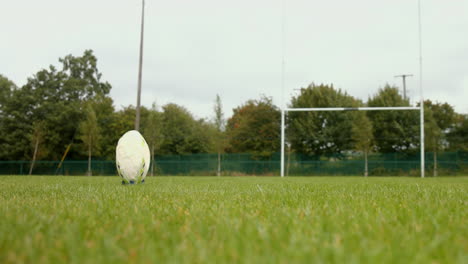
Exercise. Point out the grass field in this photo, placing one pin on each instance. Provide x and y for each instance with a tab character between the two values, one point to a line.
238	219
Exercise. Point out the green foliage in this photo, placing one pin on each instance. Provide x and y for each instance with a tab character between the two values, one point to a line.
152	128
6	88
124	120
53	97
182	133
432	132
37	137
89	131
82	78
255	128
220	125
321	133
219	120
394	131
120	122
443	113
152	132
220	140
106	117
361	132
17	125
233	220
458	137
439	121
117	123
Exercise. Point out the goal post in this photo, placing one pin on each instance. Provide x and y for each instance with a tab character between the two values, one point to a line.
421	123
285	109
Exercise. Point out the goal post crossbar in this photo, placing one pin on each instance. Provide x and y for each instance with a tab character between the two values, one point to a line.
350	108
316	109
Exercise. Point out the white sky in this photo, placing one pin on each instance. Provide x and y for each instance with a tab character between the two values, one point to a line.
196	49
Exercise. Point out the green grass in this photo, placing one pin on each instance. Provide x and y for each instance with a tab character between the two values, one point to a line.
240	219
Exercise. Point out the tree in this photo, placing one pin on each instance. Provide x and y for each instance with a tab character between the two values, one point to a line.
116	124
444	116
255	128
321	133
182	134
203	136
219	123
394	131
432	135
89	133
6	88
362	136
54	97
17	125
152	132
82	77
458	137
37	137
443	113
105	115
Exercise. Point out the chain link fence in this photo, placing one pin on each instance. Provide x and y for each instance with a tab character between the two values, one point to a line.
394	164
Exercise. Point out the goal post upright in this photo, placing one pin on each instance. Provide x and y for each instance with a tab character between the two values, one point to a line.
317	109
282	141
421	99
421	131
285	109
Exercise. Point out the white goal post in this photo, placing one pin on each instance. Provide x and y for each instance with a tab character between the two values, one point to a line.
285	109
421	121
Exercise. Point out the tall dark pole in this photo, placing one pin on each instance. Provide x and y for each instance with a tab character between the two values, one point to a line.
137	118
403	76
421	99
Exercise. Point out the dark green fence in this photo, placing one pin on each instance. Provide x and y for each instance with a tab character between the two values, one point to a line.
394	164
453	163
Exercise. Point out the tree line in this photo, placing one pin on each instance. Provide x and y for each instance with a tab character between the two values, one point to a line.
67	110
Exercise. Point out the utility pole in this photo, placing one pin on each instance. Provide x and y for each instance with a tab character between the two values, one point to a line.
403	76
137	118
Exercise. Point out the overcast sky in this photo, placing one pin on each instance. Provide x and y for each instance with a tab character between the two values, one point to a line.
197	49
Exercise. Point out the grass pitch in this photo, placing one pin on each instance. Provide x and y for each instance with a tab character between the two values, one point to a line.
245	219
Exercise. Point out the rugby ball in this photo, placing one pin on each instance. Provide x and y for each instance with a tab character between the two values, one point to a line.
132	157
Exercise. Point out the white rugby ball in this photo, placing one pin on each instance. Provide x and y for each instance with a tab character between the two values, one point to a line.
132	157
